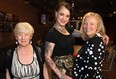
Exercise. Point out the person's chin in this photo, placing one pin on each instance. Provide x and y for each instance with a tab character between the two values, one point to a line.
24	45
63	24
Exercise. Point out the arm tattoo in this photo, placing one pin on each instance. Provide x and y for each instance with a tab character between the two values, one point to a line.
48	53
50	63
48	47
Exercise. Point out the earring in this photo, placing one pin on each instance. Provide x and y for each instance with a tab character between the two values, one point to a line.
30	41
16	42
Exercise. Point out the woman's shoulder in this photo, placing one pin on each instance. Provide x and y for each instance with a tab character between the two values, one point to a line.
36	48
39	52
52	35
10	50
51	30
9	55
96	40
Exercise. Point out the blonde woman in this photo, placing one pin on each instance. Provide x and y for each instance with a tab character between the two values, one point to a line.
25	61
88	62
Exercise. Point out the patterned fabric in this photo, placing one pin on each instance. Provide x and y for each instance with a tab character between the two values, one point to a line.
64	64
88	63
25	71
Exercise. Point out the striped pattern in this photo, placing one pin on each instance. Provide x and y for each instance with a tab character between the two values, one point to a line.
23	71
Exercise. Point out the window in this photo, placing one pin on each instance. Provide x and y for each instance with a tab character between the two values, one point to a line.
43	18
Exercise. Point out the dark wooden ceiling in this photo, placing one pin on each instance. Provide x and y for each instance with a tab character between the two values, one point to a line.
106	8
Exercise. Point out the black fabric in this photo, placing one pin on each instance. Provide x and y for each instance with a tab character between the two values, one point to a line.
2	63
9	56
89	61
63	43
40	57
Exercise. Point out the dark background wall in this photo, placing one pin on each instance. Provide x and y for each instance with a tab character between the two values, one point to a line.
32	15
25	13
110	25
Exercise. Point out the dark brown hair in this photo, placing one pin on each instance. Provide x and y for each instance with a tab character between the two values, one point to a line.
65	4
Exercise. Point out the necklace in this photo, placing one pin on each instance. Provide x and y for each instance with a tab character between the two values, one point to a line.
61	29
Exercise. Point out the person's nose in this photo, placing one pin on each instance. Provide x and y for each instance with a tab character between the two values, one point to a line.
22	36
64	18
88	26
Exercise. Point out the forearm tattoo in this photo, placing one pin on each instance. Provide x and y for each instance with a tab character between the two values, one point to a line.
48	53
48	50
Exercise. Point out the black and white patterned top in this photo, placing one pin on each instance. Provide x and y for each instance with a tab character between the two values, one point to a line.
25	71
88	63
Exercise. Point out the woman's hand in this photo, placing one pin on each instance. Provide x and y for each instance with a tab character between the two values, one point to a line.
64	76
105	39
45	72
69	77
7	74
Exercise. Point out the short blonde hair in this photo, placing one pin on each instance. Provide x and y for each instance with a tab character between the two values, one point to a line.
100	24
23	27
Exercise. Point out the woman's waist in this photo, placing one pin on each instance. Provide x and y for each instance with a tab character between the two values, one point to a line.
62	53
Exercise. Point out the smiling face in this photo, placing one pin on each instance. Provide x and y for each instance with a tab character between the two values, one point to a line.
90	26
23	38
62	16
23	32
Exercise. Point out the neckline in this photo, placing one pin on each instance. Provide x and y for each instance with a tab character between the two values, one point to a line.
20	61
61	32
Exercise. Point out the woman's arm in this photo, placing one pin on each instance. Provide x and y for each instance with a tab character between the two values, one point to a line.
45	71
105	39
48	53
7	74
76	33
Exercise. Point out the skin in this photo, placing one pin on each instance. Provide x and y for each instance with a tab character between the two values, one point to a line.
23	39
25	52
62	16
90	26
